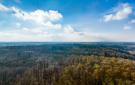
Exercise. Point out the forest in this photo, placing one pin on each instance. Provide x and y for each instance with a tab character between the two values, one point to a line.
67	64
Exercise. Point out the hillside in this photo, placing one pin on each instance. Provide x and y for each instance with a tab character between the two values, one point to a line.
81	71
19	59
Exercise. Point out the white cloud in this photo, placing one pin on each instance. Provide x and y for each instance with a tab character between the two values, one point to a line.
3	8
23	36
18	25
32	25
40	25
37	34
32	35
127	28
52	26
68	29
38	16
28	35
46	19
119	13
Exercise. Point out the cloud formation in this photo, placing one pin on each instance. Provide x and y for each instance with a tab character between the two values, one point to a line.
3	8
38	16
41	27
119	13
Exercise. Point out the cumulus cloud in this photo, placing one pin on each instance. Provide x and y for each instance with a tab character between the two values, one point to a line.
38	16
46	19
32	25
40	25
119	13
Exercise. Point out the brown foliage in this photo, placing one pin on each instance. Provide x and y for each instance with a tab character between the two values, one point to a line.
82	71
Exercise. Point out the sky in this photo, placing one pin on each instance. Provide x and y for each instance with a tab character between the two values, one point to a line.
67	20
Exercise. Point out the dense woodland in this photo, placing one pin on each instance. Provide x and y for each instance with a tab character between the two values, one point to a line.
67	64
81	71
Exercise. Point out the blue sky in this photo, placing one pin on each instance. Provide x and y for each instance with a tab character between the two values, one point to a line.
67	20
